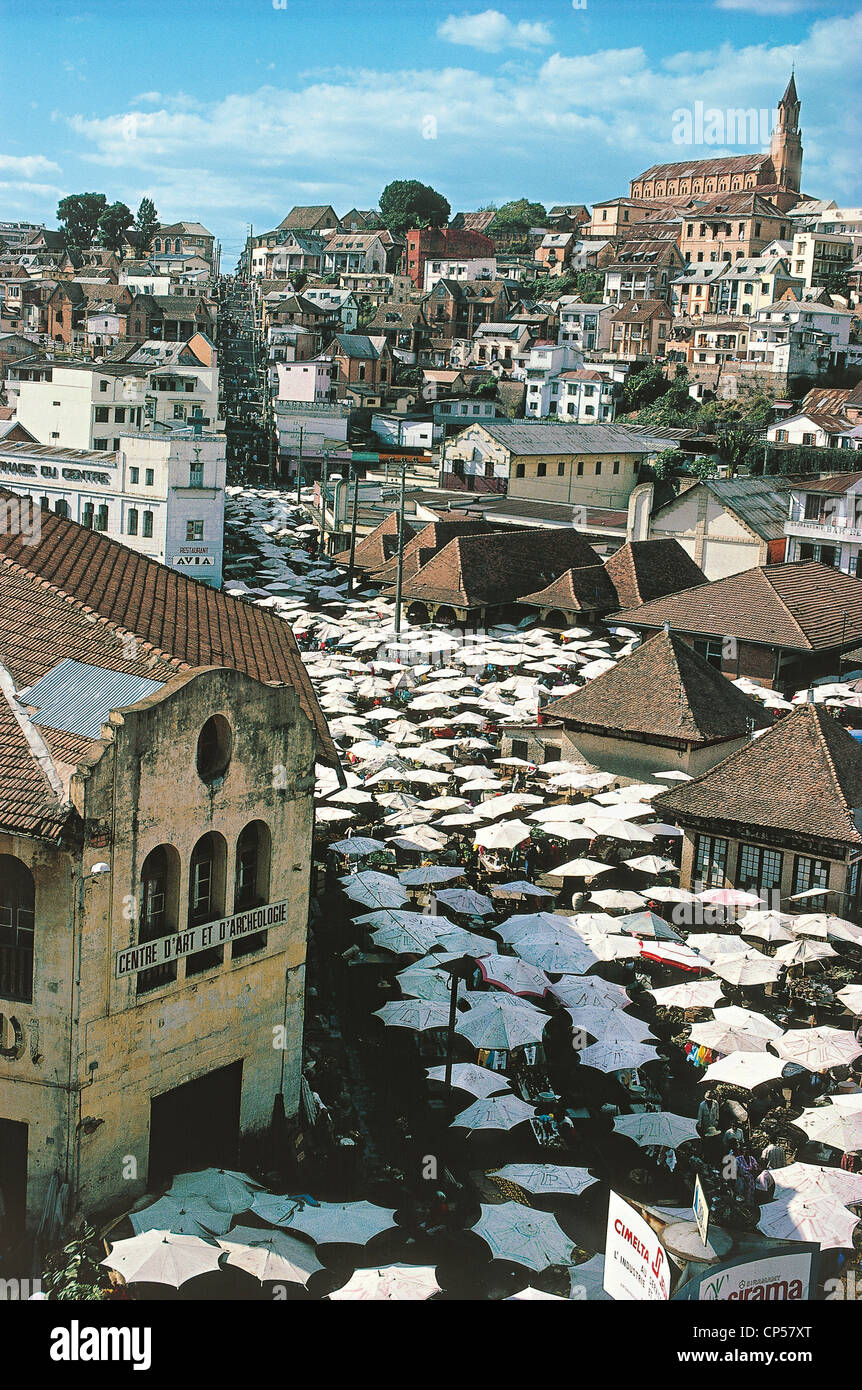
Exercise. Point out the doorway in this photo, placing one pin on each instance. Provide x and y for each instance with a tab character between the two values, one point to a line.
13	1181
196	1125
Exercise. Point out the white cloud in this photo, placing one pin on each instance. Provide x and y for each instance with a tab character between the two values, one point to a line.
770	8
492	31
27	166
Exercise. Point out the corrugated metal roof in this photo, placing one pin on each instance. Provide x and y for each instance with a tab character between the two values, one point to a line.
539	438
761	503
77	698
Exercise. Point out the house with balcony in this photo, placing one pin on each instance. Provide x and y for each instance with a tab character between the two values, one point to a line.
584	326
640	329
501	346
354	253
544	364
825	522
642	270
800	338
817	256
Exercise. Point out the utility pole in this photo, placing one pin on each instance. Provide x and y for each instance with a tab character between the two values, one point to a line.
324	478
299	470
400	550
353	531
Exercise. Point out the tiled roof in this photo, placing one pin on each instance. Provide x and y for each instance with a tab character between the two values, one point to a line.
644	570
663	689
375	549
641	311
804	606
498	568
110	589
578	590
803	776
427	542
836	482
29	805
686	168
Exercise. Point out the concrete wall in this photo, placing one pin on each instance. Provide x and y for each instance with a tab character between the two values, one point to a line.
713	538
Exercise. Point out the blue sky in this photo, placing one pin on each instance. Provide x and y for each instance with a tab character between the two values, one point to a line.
231	111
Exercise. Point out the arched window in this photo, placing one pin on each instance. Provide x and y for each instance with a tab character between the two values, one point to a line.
17	923
251	881
160	878
206	895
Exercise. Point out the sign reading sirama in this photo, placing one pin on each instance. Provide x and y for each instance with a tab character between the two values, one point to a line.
203	938
777	1278
636	1263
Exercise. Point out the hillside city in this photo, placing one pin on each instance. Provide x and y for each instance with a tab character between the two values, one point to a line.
431	745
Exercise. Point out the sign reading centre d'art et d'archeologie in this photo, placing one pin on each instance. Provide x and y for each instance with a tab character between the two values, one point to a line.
202	938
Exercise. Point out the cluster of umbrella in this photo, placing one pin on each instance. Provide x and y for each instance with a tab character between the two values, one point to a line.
419	718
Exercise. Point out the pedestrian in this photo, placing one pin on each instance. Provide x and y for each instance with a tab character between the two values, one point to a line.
773	1155
707	1116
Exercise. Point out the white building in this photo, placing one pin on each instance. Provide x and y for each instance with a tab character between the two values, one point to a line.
825	522
799	338
162	495
86	405
404	432
585	326
458	268
335	301
360	252
818	255
306	381
818	429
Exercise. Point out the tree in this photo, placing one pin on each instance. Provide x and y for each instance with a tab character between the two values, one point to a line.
732	446
407	203
114	225
674	408
640	388
668	461
521	213
591	284
146	226
79	215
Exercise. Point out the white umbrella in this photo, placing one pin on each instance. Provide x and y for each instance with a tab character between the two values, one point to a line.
374	890
504	1022
358	847
649	864
459	942
395	1282
161	1257
693	994
548	1178
477	1081
185	1214
418	1014
647	924
565	830
579	868
590	991
428	874
494	1112
660	1127
558	957
617	898
350	1223
802	1180
512	974
746	1069
620	830
851	998
818	1219
801	952
606	1023
403	940
327	815
817	1049
609	1055
523	1235
768	931
270	1255
223	1188
421	839
746	970
724	1038
674	776
465	900
748	1021
664	893
503	835
729	897
425	980
522	924
838	1124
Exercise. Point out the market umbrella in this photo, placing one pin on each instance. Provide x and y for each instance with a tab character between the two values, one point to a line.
617	898
183	1214
374	890
617	1055
523	924
578	868
512	974
395	1282
813	1179
422	839
838	1124
358	846
520	888
223	1188
746	970
349	1223
523	1235
692	994
418	1014
465	900
851	998
326	815
620	830
589	991
502	835
609	1024
817	1049
819	1219
549	1178
771	932
565	830
748	1021
659	1127
466	1076
724	1038
425	980
647	924
664	893
569	956
729	897
746	1069
504	1022
494	1112
428	874
650	864
804	951
407	940
161	1257
270	1255
458	941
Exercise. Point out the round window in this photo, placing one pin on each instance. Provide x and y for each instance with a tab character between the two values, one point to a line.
214	748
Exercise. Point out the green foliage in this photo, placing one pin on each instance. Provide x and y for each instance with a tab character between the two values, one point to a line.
146	226
114	225
668	461
408	203
74	1273
484	390
521	213
642	387
772	459
590	284
78	215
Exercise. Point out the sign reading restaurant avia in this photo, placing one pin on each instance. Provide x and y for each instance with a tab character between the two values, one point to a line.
186	943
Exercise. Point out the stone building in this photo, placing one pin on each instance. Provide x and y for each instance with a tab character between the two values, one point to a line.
157	750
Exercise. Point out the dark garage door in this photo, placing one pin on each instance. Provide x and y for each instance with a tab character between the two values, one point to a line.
196	1125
